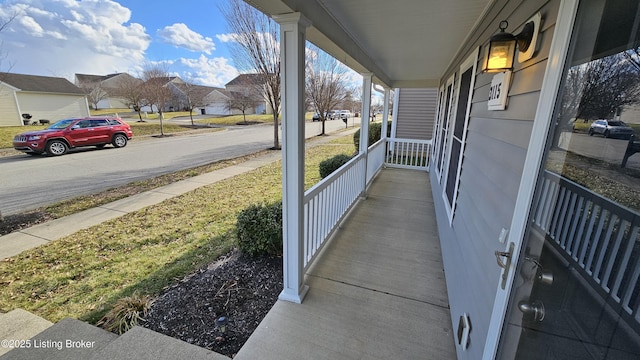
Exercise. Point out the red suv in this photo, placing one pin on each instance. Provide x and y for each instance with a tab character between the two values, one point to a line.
58	138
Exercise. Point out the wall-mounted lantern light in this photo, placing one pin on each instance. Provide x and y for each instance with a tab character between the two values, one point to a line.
502	46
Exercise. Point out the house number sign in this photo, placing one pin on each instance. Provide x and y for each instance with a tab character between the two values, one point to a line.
499	91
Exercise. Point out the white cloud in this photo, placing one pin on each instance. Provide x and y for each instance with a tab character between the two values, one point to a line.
225	38
209	71
64	37
266	38
180	35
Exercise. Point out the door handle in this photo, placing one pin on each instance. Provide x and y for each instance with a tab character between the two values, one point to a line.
504	265
535	308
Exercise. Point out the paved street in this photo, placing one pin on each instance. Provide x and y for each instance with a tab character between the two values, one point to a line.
28	182
598	147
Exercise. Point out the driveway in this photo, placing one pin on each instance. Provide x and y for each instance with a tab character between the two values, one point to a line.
28	182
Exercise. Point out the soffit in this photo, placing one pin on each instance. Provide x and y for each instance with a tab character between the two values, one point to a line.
405	43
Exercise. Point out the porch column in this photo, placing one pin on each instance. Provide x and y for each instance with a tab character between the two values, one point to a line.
292	63
385	112
394	118
364	125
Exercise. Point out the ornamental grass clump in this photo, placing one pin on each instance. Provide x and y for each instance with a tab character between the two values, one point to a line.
259	229
126	313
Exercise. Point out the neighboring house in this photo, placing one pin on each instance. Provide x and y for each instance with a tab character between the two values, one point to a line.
249	84
201	98
109	87
630	114
43	97
536	266
216	102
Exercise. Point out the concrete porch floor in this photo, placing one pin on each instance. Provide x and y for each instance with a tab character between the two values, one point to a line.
378	290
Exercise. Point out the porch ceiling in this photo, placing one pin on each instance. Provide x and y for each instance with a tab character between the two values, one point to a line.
404	43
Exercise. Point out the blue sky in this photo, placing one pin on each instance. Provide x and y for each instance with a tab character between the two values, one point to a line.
64	37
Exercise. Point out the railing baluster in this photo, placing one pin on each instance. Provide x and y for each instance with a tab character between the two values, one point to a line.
567	220
574	224
551	205
613	254
592	223
629	290
613	219
559	211
544	197
596	241
586	214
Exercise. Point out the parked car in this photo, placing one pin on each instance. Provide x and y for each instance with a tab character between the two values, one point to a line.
339	114
65	134
344	114
316	117
333	114
610	128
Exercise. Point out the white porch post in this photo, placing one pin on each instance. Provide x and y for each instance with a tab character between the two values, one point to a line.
385	112
364	124
394	118
292	62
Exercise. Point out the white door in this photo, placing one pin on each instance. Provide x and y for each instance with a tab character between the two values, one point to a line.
572	289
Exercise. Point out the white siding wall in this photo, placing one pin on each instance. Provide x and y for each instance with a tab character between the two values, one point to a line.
9	115
416	113
496	146
53	107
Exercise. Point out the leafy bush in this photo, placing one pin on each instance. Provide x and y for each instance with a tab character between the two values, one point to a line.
126	313
332	164
375	134
259	229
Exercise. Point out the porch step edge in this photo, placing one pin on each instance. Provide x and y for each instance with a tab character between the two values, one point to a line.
19	324
143	344
68	339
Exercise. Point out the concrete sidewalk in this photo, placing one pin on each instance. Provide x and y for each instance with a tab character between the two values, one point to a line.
17	242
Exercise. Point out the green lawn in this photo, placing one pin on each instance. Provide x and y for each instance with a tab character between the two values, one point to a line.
82	275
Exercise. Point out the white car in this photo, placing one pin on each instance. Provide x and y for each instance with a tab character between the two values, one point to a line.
610	128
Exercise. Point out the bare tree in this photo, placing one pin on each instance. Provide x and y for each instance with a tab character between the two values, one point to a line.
256	50
571	95
155	91
3	26
243	101
324	82
633	56
194	96
131	90
94	92
353	100
603	86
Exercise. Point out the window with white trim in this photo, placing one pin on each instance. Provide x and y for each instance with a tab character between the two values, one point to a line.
458	131
445	110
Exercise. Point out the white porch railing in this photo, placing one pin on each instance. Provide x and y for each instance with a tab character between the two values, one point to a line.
408	153
327	202
597	237
375	160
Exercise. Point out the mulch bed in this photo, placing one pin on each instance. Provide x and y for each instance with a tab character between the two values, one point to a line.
238	287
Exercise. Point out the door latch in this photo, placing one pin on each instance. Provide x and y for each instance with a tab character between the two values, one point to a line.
534	309
505	265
